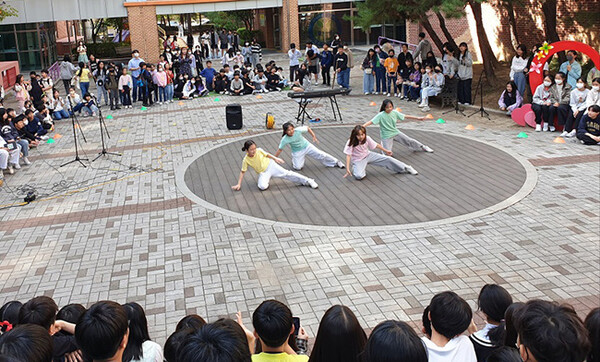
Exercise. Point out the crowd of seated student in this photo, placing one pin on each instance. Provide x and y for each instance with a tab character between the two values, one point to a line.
534	331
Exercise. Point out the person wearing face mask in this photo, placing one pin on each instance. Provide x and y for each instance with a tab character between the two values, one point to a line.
432	85
542	104
588	131
335	43
135	70
577	104
593	96
571	68
593	74
561	96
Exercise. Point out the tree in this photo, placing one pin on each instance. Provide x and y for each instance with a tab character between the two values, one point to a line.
118	24
509	6
445	30
489	58
549	11
7	11
96	27
232	20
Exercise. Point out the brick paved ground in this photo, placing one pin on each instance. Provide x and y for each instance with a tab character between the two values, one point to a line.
121	230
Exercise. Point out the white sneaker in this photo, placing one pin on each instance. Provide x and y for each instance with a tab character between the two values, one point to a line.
426	109
538	127
312	183
375	93
26	161
545	127
340	164
16	166
564	134
427	149
44	138
367	93
411	170
571	134
388	94
422	105
467	104
552	128
11	170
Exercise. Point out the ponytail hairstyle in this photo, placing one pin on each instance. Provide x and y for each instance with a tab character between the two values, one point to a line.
353	142
9	315
385	103
247	145
81	66
494	300
286	126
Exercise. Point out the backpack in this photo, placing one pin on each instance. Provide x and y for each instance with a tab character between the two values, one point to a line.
270	121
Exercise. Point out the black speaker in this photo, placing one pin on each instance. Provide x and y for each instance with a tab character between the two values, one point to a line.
233	115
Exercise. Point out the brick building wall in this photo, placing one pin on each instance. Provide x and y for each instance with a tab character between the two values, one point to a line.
144	32
571	14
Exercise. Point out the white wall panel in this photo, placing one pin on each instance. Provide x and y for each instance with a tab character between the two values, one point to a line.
31	11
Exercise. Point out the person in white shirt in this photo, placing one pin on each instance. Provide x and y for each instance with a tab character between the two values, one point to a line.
577	104
518	68
7	154
58	106
139	346
450	317
310	45
260	81
593	96
294	55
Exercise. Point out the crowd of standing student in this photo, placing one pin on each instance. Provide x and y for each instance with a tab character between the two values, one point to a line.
538	330
418	75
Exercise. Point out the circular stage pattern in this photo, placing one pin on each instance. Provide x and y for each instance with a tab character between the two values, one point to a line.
464	178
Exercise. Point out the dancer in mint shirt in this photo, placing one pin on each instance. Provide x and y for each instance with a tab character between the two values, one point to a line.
301	147
386	119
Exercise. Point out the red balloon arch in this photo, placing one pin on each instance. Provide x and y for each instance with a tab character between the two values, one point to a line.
536	72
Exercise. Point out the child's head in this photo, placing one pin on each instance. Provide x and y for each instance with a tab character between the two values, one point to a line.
102	331
428	68
408	62
386	106
288	129
87	97
72	91
151	66
560	77
236	75
596	84
493	301
70	313
510	86
193	321
273	322
339	325
391	52
438	68
223	340
143	65
580	84
10	313
548	80
463	47
450	315
39	310
29	114
174	342
510	320
417	66
226	68
430	54
27	342
159	67
592	324
249	148
138	331
44	73
11	112
124	70
208	64
551	332
358	136
593	111
394	338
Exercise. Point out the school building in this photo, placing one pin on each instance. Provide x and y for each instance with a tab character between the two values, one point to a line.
36	37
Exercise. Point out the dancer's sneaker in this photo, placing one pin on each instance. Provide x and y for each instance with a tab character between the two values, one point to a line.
340	164
411	170
427	149
312	183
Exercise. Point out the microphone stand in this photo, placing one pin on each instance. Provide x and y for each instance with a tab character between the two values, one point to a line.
479	88
74	121
103	129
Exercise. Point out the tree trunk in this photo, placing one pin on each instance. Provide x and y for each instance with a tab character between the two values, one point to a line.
189	23
549	10
446	31
489	59
93	31
424	21
508	4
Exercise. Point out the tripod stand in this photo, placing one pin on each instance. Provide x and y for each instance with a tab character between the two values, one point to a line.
479	88
103	129
75	124
456	108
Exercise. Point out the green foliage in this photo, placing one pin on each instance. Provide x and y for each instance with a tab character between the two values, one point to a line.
232	20
247	35
7	11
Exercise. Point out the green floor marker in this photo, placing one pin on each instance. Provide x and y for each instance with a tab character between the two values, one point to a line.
51	140
440	121
522	135
217	99
144	108
109	117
